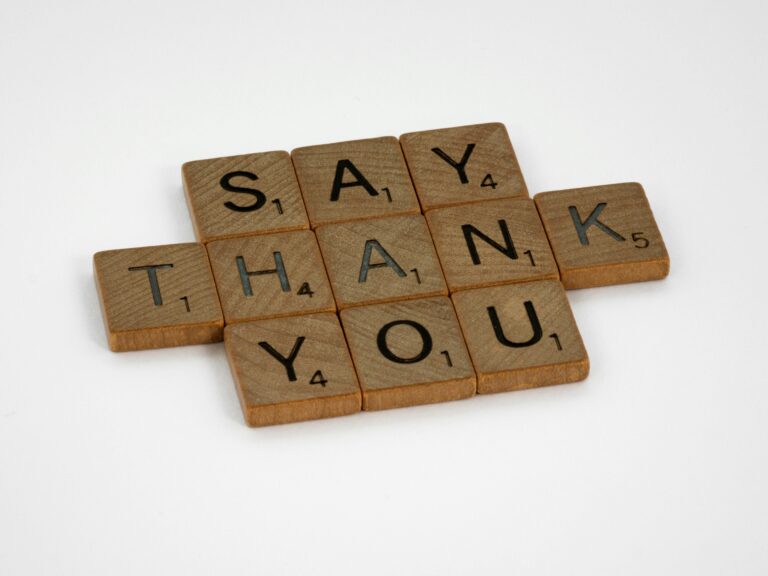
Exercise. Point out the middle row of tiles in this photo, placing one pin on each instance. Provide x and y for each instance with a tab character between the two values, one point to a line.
381	260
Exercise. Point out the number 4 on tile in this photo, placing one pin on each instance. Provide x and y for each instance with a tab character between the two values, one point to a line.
305	290
488	181
318	378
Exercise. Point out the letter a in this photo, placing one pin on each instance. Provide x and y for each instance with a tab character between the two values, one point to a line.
388	261
360	180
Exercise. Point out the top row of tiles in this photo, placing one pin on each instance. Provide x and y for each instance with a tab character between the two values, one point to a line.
351	181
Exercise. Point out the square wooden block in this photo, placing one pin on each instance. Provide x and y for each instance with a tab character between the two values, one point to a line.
408	353
354	180
292	369
464	164
603	235
269	276
380	260
490	243
243	195
521	336
158	296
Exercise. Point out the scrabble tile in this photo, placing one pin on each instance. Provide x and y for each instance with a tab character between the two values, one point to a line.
488	243
464	164
243	195
158	296
292	369
270	276
354	180
521	336
408	353
603	235
380	260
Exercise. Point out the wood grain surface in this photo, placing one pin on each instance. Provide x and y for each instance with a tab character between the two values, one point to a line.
303	289
463	164
408	353
292	369
158	296
243	195
526	257
603	235
514	355
380	260
354	180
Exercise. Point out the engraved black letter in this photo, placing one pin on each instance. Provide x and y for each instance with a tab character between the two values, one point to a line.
245	274
582	227
532	317
286	362
360	180
426	339
388	260
509	251
154	285
258	194
460	165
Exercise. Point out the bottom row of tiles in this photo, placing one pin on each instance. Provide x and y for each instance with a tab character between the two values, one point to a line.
405	353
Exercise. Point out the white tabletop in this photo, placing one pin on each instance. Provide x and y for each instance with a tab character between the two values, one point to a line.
140	463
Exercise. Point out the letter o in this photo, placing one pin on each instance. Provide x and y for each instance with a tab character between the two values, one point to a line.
426	349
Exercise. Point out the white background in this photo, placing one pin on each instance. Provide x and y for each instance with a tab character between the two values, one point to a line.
140	463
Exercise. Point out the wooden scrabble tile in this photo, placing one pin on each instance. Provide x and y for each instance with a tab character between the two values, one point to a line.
408	353
243	195
603	235
354	180
269	276
380	260
292	369
158	296
521	336
464	164
489	243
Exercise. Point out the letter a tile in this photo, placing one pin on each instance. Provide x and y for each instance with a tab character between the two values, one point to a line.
243	195
292	369
158	296
603	235
408	353
354	180
521	336
380	260
464	164
270	276
489	243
